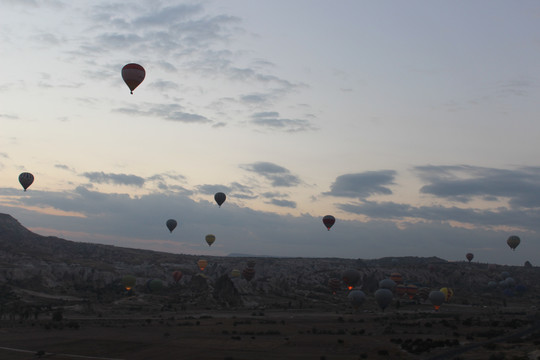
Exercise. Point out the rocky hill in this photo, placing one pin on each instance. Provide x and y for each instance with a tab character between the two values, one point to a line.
38	270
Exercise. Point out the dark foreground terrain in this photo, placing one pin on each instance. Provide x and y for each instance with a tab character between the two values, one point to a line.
414	331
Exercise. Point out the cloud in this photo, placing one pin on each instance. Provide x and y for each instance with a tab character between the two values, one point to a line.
464	183
283	203
169	112
272	121
212	189
277	175
163	85
139	222
363	185
116	179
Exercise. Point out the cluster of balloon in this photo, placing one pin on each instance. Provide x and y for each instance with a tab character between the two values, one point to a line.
383	297
437	298
26	179
177	275
356	298
469	256
133	75
202	264
350	277
220	198
171	224
334	284
328	221
128	282
210	239
513	241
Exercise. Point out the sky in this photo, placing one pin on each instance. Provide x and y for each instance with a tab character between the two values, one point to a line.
414	123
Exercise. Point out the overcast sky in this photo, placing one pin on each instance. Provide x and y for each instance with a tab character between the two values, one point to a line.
414	123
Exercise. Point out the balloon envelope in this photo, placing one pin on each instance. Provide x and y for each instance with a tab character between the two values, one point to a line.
154	285
383	298
513	241
469	256
26	179
133	75
351	277
171	224
210	239
328	221
202	264
356	298
248	273
235	273
220	198
437	298
177	275
129	282
387	284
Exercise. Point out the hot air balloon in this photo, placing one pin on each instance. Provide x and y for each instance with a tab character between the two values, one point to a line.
400	290
513	241
448	293
248	273
210	239
334	284
383	298
171	224
133	75
220	198
387	284
350	277
437	298
328	221
469	256
26	179
356	298
154	285
411	290
129	282
202	264
235	273
396	277
177	275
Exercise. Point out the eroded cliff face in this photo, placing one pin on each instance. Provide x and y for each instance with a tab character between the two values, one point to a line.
53	266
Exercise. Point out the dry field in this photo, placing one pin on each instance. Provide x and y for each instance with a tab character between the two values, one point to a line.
410	332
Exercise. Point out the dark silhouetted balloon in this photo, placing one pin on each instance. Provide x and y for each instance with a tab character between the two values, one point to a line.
356	298
133	75
154	285
26	179
220	198
210	239
177	275
248	273
129	282
334	284
387	284
171	224
469	256
437	298
383	298
513	241
328	221
351	278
